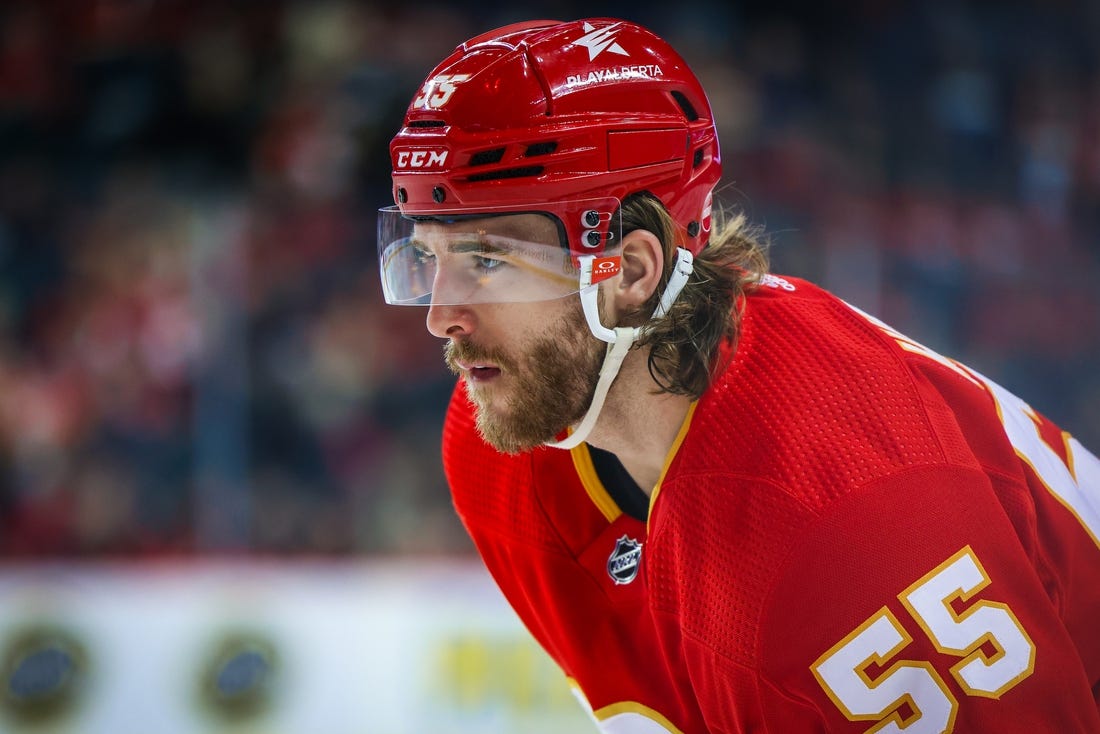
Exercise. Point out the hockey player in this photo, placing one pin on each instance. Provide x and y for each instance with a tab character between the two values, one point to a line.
721	499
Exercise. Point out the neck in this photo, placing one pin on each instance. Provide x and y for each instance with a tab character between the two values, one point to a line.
639	424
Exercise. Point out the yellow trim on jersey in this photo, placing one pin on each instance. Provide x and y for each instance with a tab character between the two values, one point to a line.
582	461
671	455
633	707
1067	449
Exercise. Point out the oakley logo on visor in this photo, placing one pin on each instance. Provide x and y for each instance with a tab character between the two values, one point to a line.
425	158
604	268
598	40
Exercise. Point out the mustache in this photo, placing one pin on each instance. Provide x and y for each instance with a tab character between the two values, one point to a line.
470	353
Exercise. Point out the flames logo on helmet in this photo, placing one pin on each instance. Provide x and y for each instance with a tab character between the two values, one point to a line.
437	90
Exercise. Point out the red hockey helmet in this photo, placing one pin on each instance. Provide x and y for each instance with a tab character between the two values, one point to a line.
561	119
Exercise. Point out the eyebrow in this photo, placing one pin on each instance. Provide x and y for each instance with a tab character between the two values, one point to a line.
462	247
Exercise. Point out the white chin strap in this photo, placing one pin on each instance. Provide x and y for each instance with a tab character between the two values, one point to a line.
619	340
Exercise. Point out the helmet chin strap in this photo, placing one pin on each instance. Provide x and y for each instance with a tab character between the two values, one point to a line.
619	340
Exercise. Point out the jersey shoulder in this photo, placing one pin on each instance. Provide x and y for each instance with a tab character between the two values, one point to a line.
817	399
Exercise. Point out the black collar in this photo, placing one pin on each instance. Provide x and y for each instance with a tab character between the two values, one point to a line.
619	484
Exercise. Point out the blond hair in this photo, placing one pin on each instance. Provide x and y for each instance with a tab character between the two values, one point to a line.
685	345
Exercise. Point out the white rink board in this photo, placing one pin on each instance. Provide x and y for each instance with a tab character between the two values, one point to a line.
358	648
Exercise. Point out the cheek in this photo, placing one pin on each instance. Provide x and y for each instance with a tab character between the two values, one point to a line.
530	334
525	323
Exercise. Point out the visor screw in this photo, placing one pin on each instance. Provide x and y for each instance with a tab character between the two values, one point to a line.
591	218
402	196
592	239
439	194
693	229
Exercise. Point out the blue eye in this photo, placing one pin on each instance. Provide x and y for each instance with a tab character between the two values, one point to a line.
488	263
424	256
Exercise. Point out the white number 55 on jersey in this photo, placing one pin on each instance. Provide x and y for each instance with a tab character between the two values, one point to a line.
994	650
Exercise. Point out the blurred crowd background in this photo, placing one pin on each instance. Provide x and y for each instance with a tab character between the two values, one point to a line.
194	353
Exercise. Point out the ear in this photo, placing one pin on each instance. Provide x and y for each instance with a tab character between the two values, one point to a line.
643	262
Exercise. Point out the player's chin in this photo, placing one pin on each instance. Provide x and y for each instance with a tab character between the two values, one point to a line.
510	436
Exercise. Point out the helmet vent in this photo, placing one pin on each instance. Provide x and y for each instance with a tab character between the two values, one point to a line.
485	157
521	172
685	105
543	148
427	123
698	158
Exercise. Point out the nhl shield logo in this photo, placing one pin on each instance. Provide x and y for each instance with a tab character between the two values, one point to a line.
624	561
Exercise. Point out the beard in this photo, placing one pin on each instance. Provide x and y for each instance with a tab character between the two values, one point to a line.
541	391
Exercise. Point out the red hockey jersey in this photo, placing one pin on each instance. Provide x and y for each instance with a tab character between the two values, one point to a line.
851	534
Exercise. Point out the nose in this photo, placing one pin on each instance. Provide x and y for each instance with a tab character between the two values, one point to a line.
449	321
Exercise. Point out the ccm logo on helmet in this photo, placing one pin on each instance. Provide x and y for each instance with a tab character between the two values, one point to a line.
421	158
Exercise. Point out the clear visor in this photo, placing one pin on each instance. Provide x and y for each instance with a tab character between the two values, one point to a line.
497	256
